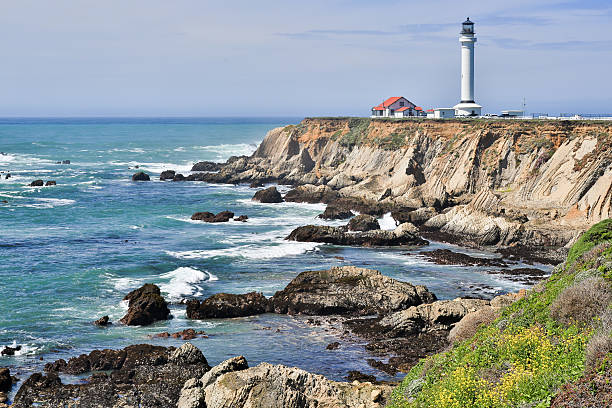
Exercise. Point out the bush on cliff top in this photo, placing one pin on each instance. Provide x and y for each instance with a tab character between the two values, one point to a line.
525	356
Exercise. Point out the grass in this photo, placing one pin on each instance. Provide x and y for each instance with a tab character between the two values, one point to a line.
525	356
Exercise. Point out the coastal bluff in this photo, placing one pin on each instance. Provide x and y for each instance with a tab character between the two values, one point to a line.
537	183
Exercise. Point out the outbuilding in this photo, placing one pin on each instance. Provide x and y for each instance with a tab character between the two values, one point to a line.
443	113
396	106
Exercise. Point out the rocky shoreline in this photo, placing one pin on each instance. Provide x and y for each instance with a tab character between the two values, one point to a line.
401	323
474	185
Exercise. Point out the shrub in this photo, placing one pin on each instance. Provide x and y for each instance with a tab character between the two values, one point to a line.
582	302
600	344
598	233
469	325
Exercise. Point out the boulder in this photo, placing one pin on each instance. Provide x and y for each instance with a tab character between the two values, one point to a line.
187	354
347	290
439	315
223	216
137	376
37	183
363	222
65	161
278	386
269	195
50	183
418	216
7	176
146	305
311	194
206	166
179	177
167	175
10	351
334	212
242	218
6	382
103	321
341	236
257	184
141	176
225	305
448	257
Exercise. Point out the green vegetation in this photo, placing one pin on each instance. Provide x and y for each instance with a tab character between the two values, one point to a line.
357	134
558	334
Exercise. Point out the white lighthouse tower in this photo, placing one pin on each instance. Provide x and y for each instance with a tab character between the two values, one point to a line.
467	106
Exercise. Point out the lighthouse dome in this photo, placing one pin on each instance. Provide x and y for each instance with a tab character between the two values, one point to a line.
468	27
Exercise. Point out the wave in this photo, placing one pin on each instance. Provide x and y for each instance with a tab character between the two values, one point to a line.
225	151
183	282
155	167
25	349
387	222
252	251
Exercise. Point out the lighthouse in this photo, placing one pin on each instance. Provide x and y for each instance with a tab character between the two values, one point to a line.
467	106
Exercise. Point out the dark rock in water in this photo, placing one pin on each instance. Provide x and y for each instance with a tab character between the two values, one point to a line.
10	351
187	334
146	305
8	176
311	194
448	257
361	377
223	216
4	201
334	212
37	183
257	184
167	175
363	222
103	321
50	183
65	161
340	236
140	376
333	346
224	305
6	382
179	177
269	195
347	290
141	176
242	218
206	166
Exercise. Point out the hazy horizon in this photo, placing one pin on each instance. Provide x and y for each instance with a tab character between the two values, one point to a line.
279	59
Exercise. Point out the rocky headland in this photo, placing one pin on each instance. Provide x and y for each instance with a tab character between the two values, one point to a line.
513	184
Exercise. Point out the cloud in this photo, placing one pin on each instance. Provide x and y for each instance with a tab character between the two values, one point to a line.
516	44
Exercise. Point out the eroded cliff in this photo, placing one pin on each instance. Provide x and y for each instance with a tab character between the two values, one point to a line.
536	183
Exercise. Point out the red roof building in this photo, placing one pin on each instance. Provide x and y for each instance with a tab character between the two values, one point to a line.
394	107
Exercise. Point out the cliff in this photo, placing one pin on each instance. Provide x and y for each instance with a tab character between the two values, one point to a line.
494	181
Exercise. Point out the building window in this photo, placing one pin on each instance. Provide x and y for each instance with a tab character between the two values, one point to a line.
401	103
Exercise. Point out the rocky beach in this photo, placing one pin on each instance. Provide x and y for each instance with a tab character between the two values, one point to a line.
378	243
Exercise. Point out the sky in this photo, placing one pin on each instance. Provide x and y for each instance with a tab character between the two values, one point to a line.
298	58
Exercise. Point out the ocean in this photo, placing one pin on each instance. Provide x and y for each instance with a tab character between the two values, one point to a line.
69	253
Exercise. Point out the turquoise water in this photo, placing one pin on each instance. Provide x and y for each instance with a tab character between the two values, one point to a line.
69	253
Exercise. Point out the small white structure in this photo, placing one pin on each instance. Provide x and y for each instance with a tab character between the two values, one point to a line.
443	113
467	106
512	113
394	107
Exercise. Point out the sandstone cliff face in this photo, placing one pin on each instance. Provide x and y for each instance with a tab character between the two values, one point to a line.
531	181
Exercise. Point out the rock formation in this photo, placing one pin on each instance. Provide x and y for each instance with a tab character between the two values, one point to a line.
146	305
530	183
405	234
269	195
141	176
224	305
233	384
347	290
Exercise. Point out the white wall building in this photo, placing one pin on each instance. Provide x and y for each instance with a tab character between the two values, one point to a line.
395	107
467	106
443	113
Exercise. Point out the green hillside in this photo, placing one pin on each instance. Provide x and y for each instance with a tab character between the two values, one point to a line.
551	348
